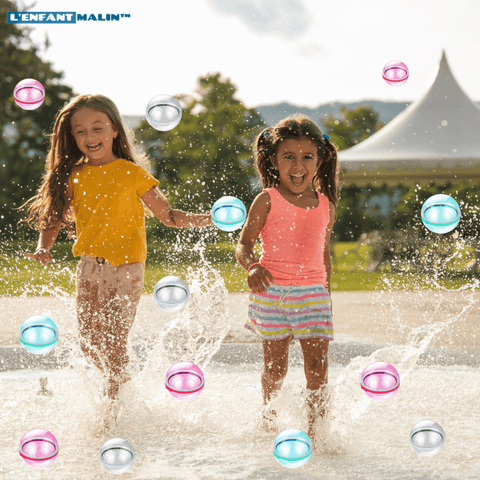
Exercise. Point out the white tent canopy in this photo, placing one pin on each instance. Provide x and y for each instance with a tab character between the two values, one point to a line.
436	138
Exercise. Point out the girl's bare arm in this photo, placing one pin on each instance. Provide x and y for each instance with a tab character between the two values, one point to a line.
259	278
159	206
45	242
327	261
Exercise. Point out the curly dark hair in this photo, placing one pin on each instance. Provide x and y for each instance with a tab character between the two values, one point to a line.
266	146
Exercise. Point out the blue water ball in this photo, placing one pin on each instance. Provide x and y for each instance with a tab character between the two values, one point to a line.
171	293
117	456
441	213
292	448
229	214
427	438
163	112
38	334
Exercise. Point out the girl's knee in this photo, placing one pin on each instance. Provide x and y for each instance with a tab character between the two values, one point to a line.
318	364
275	374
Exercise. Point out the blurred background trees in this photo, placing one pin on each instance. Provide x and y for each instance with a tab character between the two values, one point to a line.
24	133
364	209
355	126
208	155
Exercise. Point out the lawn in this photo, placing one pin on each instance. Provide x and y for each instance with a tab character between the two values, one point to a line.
20	276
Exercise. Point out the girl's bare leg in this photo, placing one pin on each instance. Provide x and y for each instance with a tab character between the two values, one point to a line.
275	358
104	323
315	357
103	339
90	324
119	318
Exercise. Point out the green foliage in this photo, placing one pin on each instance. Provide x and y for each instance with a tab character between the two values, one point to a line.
23	139
353	216
25	277
209	154
357	125
408	211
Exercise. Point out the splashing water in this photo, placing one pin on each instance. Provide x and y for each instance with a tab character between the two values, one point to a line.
217	435
440	312
195	333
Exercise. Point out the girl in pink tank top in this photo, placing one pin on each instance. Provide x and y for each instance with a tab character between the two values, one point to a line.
290	284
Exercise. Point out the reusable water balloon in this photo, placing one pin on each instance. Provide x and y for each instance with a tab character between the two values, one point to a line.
163	112
38	334
117	456
292	448
229	214
184	381
38	448
427	438
395	73
171	293
441	213
380	381
29	94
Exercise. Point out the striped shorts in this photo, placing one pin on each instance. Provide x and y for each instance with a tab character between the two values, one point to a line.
303	311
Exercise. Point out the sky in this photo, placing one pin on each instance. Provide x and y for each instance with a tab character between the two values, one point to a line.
305	52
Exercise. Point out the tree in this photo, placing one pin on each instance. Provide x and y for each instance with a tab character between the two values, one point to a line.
24	133
209	154
467	196
356	126
356	214
353	215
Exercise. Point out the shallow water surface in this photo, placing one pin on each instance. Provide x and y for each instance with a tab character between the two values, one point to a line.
216	435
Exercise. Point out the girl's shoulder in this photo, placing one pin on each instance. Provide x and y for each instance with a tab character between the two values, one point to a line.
270	193
78	166
128	165
263	198
70	184
261	204
265	194
75	170
327	200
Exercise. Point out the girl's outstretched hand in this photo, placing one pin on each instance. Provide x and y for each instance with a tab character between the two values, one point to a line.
42	255
259	279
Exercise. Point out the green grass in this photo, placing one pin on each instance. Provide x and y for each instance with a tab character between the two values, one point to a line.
20	276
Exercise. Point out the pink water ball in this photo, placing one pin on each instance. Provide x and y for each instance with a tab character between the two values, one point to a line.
380	381
395	73
29	94
184	381
39	448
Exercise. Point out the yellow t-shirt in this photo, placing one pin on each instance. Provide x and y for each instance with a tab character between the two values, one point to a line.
109	214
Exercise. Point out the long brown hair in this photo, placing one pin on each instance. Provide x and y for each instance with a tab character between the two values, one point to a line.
51	205
298	125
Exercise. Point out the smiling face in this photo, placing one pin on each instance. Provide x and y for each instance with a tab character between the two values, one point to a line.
297	162
94	133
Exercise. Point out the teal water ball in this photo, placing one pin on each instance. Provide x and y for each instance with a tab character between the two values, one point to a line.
441	213
39	334
229	213
292	448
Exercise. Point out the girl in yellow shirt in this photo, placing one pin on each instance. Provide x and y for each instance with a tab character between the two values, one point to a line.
92	178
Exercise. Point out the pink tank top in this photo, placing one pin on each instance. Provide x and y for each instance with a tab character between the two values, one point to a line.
293	240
